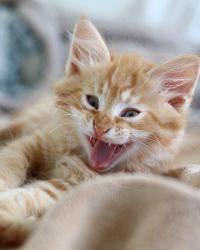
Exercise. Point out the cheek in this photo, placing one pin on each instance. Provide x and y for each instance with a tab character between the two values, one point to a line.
139	134
84	122
138	130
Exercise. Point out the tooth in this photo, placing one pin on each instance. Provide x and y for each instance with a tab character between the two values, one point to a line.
109	144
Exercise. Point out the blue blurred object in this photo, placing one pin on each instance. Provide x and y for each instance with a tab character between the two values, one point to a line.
22	55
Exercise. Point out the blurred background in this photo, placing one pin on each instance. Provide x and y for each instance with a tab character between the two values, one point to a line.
34	42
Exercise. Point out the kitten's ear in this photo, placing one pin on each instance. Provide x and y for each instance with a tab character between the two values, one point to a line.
87	47
177	79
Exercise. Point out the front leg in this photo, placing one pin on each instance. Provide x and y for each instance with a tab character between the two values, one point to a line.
71	168
20	208
16	160
189	174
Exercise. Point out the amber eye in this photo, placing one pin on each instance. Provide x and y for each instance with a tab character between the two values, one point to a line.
93	101
129	113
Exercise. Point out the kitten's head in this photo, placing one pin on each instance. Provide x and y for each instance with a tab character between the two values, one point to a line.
121	106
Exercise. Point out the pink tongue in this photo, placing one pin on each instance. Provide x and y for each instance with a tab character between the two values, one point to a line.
102	155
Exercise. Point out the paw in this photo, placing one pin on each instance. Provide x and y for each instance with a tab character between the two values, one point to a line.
13	231
191	175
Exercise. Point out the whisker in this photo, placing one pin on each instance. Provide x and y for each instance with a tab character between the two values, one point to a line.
59	126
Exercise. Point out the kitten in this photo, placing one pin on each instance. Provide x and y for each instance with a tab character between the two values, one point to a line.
112	113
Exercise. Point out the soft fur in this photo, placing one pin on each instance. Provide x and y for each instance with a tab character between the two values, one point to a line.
51	150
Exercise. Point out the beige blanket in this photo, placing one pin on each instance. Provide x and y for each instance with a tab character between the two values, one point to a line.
126	212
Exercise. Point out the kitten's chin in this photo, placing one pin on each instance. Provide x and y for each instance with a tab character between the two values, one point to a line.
103	155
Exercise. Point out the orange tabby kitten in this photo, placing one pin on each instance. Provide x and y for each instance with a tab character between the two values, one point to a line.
111	113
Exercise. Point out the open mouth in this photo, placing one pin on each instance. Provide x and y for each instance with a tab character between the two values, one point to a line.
103	154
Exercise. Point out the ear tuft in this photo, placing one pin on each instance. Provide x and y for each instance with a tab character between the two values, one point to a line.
87	47
177	79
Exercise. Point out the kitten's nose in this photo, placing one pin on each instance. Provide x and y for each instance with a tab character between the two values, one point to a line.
101	125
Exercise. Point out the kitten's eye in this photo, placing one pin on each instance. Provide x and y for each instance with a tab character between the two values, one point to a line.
129	113
93	101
